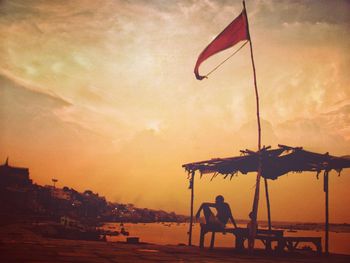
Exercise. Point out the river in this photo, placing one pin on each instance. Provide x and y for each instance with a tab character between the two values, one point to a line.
176	233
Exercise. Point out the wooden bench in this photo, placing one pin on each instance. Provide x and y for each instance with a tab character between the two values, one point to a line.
291	243
207	228
266	236
241	234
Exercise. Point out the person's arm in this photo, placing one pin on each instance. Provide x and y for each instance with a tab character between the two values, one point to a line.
231	218
199	212
201	207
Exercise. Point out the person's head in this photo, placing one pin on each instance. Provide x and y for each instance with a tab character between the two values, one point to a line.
219	199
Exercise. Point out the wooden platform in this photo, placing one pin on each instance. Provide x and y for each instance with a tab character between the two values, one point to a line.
268	237
292	242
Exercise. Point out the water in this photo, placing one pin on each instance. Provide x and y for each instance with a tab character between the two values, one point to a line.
174	234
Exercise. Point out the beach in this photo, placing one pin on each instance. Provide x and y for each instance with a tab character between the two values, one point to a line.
20	243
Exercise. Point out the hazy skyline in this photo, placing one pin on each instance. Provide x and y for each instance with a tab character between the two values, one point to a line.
101	95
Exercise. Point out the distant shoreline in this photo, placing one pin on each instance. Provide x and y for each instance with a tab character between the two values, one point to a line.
306	226
337	228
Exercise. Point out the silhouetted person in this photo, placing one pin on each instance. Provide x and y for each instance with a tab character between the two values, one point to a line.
252	229
223	213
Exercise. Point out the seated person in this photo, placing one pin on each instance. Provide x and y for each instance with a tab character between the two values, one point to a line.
252	230
223	213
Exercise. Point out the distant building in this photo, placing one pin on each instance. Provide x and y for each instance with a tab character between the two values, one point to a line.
14	176
60	194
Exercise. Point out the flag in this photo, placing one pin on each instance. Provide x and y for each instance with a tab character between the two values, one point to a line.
232	34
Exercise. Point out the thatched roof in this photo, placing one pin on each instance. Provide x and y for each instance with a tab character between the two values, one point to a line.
275	162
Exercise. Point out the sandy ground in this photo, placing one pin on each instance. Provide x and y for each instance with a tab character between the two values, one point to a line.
18	243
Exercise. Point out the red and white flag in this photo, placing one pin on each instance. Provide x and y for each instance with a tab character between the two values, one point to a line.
235	32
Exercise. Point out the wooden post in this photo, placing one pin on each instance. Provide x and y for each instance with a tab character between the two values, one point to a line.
268	204
257	186
191	211
325	188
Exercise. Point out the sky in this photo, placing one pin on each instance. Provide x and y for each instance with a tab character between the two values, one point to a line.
101	95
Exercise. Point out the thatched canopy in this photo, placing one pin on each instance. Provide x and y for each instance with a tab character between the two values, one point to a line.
275	162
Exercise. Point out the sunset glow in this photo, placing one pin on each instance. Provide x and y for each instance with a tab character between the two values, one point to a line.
101	95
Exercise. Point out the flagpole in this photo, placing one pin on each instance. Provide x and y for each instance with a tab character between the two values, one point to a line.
257	186
191	208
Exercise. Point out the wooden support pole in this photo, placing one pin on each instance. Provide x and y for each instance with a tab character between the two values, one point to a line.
325	188
257	185
268	204
191	209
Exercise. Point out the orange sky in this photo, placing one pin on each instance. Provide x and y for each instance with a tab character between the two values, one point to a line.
101	95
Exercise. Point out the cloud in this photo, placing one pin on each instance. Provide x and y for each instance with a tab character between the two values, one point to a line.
110	85
8	77
303	12
28	118
313	134
338	120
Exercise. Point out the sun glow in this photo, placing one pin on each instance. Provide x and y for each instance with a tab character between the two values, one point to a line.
102	95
